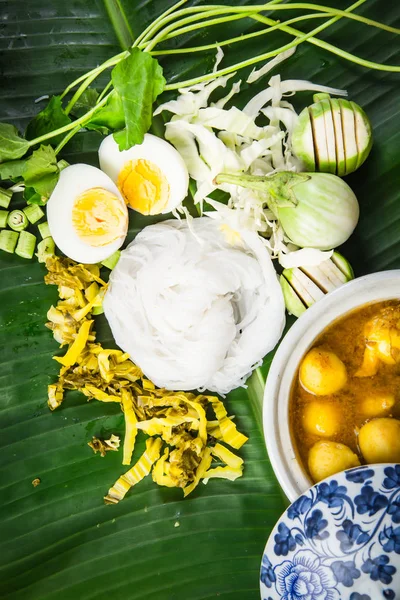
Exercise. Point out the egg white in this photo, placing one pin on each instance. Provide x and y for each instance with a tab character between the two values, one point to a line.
73	181
156	150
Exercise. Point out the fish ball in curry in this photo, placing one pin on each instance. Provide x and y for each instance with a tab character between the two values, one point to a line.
377	405
379	441
322	372
321	418
328	458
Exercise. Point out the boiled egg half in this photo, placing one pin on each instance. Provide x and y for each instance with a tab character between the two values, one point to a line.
152	177
87	215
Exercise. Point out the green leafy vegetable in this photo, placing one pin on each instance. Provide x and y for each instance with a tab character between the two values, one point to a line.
50	118
11	144
110	116
32	197
86	101
12	169
41	173
138	79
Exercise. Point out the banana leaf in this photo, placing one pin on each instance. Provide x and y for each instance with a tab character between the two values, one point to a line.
58	540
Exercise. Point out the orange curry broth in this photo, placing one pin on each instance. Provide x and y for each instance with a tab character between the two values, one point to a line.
345	337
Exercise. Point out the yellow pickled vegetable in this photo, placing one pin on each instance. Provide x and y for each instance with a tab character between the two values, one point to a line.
322	372
200	472
71	357
321	418
104	446
227	472
379	441
130	425
178	419
377	405
327	458
229	433
136	473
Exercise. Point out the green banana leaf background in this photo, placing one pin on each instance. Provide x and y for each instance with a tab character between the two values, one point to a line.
58	540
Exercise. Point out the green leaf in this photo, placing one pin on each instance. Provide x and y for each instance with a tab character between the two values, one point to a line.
41	172
32	197
109	117
11	144
58	541
85	102
139	80
12	169
50	118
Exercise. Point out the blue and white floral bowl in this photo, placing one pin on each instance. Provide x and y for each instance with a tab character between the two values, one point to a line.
340	540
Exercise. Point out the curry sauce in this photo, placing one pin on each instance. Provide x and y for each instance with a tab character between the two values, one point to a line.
344	412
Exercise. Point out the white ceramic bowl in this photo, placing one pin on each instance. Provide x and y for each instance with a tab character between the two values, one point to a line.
371	288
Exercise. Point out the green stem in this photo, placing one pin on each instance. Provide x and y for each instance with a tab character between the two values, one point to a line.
167	17
104	92
240	65
239	38
66	139
153	27
81	121
79	92
330	47
254	182
187	20
304	6
205	24
301	37
111	62
334	11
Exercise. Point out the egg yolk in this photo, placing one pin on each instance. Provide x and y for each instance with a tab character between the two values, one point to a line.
98	217
144	187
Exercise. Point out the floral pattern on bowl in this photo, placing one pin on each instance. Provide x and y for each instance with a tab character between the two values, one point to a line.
338	541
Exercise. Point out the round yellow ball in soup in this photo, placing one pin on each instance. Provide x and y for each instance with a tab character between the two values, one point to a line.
379	441
377	405
322	372
321	418
327	458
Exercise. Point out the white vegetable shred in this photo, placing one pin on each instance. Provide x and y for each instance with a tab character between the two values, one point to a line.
256	140
195	310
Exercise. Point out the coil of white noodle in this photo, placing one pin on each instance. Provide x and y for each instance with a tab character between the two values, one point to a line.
195	311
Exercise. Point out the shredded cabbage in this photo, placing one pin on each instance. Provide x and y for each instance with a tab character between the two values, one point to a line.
212	138
306	257
257	73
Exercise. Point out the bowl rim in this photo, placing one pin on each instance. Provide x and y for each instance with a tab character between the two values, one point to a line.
376	287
